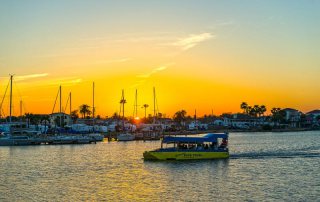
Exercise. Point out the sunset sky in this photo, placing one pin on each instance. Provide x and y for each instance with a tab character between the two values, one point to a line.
203	55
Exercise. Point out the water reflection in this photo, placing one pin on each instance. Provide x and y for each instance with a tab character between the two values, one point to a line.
115	171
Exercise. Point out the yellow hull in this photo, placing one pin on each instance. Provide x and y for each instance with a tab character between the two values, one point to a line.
156	155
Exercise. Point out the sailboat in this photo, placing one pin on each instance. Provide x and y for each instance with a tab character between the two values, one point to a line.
124	136
6	136
71	138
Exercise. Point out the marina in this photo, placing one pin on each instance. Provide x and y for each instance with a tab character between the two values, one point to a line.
213	101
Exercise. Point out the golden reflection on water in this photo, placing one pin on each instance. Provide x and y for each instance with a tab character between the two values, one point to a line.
115	171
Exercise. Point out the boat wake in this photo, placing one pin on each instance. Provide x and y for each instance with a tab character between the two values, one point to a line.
315	153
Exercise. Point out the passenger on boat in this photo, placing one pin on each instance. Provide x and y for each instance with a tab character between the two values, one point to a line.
224	143
214	145
199	147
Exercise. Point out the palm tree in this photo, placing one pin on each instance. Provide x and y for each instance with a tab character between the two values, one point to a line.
85	110
250	111
263	109
180	116
244	107
145	106
278	115
256	110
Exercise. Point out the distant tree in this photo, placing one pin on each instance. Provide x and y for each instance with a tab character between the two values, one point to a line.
180	117
262	110
74	116
278	115
255	110
244	107
85	110
115	116
145	106
251	111
89	114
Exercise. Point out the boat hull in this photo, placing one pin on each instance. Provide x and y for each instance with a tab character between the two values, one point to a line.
181	155
125	137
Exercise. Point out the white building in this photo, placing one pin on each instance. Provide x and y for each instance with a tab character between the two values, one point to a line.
55	119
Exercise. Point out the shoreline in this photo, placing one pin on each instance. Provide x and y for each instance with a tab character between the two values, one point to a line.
239	131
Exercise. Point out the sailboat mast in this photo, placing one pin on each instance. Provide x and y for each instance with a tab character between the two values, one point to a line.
154	105
70	103
60	106
11	77
60	99
93	108
21	116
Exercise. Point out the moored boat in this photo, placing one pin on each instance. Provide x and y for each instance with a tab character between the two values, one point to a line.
209	146
9	140
125	137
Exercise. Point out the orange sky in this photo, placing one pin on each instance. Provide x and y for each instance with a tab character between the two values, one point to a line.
205	55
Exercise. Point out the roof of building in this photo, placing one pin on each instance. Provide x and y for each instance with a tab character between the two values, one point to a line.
58	113
316	111
290	109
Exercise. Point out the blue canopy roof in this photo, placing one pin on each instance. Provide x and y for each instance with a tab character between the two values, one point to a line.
210	137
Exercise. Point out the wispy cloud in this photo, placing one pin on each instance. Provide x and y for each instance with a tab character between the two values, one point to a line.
155	70
192	40
66	81
144	77
30	76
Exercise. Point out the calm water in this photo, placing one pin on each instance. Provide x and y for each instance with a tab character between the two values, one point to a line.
263	166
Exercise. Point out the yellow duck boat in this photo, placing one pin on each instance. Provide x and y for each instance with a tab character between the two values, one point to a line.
208	146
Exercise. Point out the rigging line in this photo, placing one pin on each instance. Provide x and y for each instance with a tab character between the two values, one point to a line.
64	111
15	83
5	93
3	112
55	101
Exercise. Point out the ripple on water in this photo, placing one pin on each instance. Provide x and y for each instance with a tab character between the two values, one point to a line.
263	166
